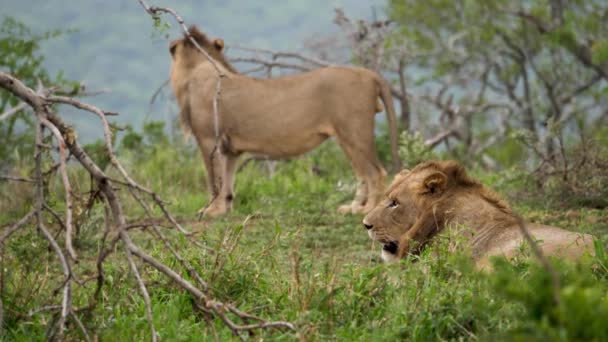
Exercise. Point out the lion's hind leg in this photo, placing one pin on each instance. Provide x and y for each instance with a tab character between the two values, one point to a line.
375	189
356	206
361	150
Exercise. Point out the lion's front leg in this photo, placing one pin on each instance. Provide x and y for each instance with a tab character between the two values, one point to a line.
221	203
215	165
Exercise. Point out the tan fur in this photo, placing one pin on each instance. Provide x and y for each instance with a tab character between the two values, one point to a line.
280	118
439	195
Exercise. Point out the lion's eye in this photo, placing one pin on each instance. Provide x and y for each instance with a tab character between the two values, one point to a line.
393	204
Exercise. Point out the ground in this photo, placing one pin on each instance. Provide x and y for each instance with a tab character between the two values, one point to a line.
286	254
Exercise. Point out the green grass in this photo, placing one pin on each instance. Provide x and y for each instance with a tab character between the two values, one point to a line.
296	259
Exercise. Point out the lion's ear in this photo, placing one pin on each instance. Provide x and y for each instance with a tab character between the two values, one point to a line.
435	183
219	44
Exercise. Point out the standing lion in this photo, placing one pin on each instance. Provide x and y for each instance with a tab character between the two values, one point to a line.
279	118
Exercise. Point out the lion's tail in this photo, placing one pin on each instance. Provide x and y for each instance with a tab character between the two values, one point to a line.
391	116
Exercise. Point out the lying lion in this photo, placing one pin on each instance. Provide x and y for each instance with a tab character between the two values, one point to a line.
438	196
280	117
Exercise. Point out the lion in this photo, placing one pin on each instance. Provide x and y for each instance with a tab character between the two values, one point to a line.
279	118
438	196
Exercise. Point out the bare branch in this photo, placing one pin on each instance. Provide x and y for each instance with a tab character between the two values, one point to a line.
17	179
282	54
270	64
113	159
167	244
158	91
66	303
540	256
154	11
12	111
440	137
144	293
81	326
7	233
66	185
566	99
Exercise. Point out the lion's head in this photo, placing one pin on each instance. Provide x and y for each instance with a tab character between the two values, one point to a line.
183	51
421	197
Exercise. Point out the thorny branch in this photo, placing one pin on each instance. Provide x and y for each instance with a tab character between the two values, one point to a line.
116	220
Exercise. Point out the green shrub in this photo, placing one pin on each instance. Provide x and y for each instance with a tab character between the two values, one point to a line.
413	150
580	313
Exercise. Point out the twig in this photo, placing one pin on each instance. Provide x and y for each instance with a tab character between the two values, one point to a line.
157	92
282	54
66	185
17	179
154	11
81	326
271	64
440	137
144	293
541	257
113	159
167	244
16	226
103	254
66	303
32	313
12	111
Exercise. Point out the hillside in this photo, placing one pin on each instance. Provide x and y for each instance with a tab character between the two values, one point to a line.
114	46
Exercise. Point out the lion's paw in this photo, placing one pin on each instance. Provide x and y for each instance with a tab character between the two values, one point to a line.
345	209
212	211
358	208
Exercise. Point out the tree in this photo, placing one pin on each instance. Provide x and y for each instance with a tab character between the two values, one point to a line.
535	66
20	56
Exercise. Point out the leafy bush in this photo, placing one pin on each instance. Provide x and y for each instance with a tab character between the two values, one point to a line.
413	150
580	313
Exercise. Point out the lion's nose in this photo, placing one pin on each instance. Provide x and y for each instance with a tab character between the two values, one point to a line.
368	226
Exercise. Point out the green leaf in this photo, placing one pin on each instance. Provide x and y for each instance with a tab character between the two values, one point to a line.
599	52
